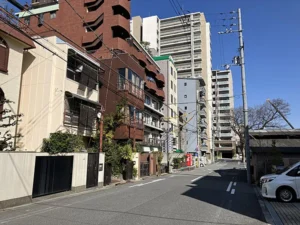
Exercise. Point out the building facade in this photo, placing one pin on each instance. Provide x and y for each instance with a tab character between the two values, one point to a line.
223	104
58	93
170	111
182	131
102	29
12	46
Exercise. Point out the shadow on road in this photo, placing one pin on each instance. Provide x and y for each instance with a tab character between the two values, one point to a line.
214	189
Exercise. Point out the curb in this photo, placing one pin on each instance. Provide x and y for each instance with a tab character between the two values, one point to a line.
269	212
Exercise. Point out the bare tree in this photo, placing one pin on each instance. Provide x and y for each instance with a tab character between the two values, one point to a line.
260	117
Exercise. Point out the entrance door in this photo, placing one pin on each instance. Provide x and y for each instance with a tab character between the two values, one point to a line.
92	170
52	174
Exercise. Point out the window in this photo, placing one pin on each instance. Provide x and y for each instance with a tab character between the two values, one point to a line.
172	127
171	85
147	100
2	98
172	113
155	105
52	15
185	84
185	108
4	52
80	113
172	71
174	141
27	20
171	98
174	100
185	96
147	118
81	70
175	88
175	75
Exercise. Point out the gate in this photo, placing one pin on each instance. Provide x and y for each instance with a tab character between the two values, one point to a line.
144	169
128	172
92	170
107	174
52	175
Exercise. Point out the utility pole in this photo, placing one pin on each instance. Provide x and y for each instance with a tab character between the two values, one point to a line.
240	61
245	103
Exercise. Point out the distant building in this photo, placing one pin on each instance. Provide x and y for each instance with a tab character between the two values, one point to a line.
170	109
182	131
223	104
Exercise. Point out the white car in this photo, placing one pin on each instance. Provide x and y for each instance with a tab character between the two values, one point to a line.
284	186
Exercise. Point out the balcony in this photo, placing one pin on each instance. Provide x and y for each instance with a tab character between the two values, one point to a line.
203	124
225	134
153	142
224	149
130	131
203	136
158	111
153	125
125	4
160	93
175	42
202	113
151	86
202	101
160	77
175	32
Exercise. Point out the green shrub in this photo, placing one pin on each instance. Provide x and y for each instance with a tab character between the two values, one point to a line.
60	142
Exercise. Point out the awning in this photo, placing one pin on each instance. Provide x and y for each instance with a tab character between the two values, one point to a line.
146	149
71	95
179	151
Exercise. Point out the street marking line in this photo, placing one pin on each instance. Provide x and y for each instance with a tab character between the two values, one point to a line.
234	184
229	186
139	185
232	191
198	178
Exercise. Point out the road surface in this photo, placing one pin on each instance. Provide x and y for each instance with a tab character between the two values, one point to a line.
216	194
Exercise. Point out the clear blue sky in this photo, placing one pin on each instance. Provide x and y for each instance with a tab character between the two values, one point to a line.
272	44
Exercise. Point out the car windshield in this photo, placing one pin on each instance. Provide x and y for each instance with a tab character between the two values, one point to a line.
285	169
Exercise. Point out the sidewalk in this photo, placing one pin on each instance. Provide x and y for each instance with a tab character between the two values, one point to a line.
279	213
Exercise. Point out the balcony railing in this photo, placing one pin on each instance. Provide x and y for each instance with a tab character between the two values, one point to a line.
153	142
125	85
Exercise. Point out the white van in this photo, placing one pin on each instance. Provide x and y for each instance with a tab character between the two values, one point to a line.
284	185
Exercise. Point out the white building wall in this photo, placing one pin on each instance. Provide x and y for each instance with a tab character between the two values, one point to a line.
17	175
10	82
151	32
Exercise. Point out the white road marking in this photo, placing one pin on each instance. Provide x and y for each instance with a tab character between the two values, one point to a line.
198	178
139	185
234	184
232	191
229	186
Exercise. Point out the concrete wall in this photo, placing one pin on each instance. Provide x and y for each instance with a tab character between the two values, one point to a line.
17	175
44	84
136	27
10	81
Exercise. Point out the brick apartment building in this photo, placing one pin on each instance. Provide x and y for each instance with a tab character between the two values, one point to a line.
102	29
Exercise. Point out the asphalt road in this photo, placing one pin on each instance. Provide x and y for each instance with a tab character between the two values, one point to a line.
216	194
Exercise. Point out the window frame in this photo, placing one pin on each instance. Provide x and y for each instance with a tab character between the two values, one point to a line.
5	49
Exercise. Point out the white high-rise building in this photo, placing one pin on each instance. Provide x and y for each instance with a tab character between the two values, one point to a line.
187	39
223	103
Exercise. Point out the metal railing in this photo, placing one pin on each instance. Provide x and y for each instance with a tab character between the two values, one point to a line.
125	85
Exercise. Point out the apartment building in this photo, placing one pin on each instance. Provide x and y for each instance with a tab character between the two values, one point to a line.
104	34
170	109
12	52
223	104
187	39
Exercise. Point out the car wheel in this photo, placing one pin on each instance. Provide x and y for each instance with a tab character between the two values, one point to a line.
286	194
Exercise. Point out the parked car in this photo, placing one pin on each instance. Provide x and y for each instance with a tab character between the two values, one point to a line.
284	185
